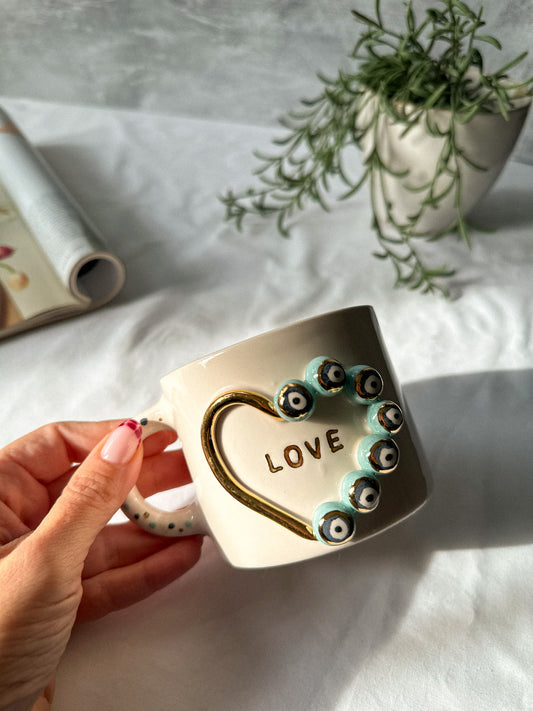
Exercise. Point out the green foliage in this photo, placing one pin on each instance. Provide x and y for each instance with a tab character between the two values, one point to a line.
427	66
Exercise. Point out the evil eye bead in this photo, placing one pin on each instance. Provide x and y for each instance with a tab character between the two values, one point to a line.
333	523
380	453
361	490
363	384
294	401
325	375
385	417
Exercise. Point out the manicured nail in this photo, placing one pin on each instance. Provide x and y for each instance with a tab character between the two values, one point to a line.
123	443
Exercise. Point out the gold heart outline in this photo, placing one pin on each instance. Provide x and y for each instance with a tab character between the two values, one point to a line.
225	476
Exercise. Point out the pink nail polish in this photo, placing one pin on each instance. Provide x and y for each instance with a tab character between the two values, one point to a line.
123	443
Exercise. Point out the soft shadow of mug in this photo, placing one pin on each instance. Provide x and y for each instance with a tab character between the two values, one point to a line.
297	442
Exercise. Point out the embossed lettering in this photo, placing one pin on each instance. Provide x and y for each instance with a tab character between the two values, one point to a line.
332	441
272	468
316	450
294	455
299	456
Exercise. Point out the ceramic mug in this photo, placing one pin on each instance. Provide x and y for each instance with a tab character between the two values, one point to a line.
296	440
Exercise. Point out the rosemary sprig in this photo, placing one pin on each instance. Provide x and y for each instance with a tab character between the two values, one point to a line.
311	155
406	74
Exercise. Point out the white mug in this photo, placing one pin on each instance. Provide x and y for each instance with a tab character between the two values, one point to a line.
296	440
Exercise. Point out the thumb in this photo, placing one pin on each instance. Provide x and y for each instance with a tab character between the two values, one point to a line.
94	493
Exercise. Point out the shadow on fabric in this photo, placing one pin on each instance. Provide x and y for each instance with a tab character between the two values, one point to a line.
129	229
476	434
503	207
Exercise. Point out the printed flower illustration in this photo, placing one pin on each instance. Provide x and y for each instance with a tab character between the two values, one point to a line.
6	214
18	281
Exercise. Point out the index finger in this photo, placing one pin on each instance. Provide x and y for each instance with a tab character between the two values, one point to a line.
50	451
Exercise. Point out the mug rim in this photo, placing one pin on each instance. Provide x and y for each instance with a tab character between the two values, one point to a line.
265	335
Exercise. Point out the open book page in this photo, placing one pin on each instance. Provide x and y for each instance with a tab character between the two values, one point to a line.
53	262
30	285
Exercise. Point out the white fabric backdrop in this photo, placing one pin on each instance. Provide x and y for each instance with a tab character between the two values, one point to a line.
436	613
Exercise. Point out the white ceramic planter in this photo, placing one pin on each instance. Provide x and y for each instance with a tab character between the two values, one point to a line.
487	140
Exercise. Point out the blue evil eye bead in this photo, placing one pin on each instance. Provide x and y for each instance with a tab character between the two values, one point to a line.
363	384
384	417
294	401
361	490
381	454
333	523
325	375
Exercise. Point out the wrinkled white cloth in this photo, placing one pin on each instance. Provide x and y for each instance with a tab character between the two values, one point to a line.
434	614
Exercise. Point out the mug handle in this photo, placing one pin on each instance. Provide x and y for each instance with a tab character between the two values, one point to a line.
186	521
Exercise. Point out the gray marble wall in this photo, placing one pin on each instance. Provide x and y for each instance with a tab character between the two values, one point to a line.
233	60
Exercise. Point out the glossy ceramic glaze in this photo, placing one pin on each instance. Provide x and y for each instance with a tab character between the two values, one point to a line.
487	141
267	485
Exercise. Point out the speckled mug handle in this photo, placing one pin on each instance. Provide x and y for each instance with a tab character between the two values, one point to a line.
185	521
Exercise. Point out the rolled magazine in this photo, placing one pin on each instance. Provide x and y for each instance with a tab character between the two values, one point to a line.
53	261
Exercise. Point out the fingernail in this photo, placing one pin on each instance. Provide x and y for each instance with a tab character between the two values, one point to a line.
123	443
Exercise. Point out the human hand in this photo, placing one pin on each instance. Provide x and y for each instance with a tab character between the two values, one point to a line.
58	560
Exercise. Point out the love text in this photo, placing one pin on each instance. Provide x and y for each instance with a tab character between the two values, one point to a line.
294	455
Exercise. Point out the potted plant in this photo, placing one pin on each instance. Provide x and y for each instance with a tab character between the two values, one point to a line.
433	128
